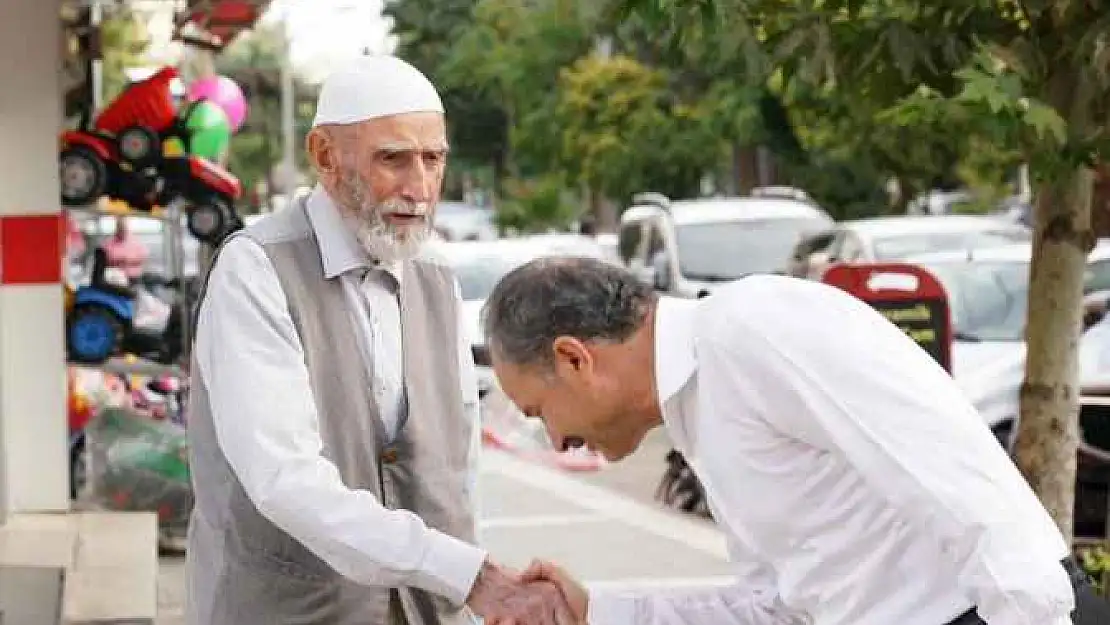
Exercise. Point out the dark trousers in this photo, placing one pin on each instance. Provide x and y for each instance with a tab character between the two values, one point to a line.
1090	609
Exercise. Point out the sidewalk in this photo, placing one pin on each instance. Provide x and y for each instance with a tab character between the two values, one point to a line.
599	535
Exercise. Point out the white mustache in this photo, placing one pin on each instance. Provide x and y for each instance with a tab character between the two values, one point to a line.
419	209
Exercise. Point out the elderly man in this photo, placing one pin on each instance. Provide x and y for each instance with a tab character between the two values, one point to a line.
333	413
856	484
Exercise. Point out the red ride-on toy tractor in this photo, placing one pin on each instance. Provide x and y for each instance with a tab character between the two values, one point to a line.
121	155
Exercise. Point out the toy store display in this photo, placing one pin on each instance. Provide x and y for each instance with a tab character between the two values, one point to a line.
505	427
130	449
138	150
139	464
109	316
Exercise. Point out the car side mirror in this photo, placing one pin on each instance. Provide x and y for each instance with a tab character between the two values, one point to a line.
1093	312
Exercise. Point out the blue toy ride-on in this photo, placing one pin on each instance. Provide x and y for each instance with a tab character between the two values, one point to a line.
109	316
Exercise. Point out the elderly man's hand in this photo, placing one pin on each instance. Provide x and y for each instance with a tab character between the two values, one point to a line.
573	592
503	599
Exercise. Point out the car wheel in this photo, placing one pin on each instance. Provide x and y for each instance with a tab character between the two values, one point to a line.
138	145
680	488
84	176
93	334
208	221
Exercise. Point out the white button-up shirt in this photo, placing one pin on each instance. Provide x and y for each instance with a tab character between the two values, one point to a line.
252	362
856	484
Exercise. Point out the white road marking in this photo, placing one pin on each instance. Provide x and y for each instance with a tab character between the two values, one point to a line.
698	535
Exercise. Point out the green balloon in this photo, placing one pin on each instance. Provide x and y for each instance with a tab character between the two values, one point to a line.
209	131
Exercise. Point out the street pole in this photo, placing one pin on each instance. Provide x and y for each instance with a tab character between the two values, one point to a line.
96	65
288	164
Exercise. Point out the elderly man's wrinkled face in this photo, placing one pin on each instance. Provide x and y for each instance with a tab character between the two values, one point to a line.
388	179
581	401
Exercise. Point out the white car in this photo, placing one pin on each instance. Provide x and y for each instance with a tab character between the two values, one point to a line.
885	239
686	247
456	221
988	291
480	265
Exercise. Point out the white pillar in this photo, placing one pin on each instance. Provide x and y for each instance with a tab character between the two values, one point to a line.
33	427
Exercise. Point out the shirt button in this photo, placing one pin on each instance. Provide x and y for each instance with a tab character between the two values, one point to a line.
389	455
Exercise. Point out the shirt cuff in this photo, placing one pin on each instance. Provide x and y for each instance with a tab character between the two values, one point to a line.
450	567
610	609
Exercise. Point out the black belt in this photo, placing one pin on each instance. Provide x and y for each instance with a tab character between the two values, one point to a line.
1078	576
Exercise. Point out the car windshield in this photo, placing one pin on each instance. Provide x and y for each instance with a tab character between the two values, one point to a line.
726	250
902	246
987	299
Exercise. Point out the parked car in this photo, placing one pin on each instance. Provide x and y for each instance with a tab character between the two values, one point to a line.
988	291
456	221
686	247
479	265
893	238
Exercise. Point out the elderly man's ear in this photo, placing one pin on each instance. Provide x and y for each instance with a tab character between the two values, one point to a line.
324	146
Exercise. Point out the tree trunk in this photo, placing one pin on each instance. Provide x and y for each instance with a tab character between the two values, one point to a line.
745	168
1048	432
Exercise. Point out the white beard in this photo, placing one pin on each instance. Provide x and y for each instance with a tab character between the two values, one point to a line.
388	244
379	239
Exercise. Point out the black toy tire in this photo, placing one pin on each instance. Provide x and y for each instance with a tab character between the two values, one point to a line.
139	146
208	221
95	168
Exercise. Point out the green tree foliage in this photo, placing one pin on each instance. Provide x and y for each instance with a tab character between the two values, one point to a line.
622	132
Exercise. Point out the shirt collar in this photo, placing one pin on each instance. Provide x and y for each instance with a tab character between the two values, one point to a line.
340	251
675	358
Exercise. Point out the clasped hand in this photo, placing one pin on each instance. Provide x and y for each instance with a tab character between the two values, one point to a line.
541	595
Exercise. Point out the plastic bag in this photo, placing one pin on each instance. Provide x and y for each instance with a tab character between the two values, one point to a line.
139	464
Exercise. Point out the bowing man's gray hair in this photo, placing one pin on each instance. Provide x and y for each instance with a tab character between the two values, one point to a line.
585	298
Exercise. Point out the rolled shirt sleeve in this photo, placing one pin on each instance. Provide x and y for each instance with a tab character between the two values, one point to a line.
867	392
250	358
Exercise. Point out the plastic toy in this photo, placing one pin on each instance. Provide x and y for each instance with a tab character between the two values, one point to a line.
122	155
209	131
109	316
225	93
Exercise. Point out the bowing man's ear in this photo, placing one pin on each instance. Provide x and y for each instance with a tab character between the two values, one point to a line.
571	354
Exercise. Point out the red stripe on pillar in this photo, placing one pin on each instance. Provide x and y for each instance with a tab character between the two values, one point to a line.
31	249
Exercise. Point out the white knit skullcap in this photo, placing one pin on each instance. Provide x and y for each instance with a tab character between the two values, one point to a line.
372	87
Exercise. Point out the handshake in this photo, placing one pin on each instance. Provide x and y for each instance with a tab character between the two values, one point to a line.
542	595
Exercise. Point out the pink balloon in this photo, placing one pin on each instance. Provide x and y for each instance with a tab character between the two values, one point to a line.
224	93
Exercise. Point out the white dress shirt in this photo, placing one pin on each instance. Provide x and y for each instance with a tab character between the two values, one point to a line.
252	363
856	484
